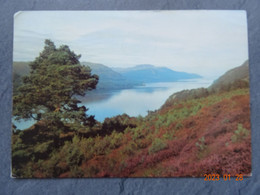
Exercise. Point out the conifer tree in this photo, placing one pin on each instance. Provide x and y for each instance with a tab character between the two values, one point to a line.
48	92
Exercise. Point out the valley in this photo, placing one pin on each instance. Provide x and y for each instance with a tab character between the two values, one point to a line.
194	132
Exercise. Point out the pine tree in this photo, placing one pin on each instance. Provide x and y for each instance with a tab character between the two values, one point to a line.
48	92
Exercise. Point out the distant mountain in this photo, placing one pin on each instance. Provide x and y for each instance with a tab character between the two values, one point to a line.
108	78
117	78
147	73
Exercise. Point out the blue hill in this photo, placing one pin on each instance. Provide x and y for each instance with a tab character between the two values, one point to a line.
147	73
108	78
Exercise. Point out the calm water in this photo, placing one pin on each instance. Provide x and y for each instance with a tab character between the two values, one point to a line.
134	102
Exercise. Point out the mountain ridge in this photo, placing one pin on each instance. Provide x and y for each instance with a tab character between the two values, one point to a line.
118	78
148	73
108	78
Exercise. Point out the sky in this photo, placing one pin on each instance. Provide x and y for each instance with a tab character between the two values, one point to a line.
208	43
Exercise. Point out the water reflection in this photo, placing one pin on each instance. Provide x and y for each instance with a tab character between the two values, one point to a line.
139	100
133	102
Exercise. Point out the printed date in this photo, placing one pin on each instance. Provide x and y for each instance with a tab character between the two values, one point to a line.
226	177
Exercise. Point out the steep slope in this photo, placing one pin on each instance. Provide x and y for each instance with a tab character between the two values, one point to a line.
148	73
233	79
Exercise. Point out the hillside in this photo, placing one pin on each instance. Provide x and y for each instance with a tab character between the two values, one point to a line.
108	78
148	73
233	77
195	132
117	78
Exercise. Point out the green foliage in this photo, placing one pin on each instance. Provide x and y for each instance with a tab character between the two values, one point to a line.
72	152
116	139
196	108
87	147
169	135
49	167
76	172
120	144
118	123
239	134
157	145
140	118
160	122
47	93
20	154
201	144
129	149
44	147
68	158
91	170
178	126
138	133
101	146
203	149
170	119
28	171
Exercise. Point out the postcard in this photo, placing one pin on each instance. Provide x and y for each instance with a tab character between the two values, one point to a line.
131	94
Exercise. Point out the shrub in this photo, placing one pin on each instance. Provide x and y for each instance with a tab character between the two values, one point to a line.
102	145
178	126
138	133
203	149
170	120
239	134
118	123
196	108
20	156
157	145
72	152
87	147
76	172
44	147
142	143
169	135
129	149
116	139
160	122
50	168
91	170
201	144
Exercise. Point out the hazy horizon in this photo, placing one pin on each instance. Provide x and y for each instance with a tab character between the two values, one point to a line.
207	43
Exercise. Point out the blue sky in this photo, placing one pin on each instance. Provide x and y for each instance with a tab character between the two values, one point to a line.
204	42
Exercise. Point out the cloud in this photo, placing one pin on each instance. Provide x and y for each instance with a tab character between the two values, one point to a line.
204	42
